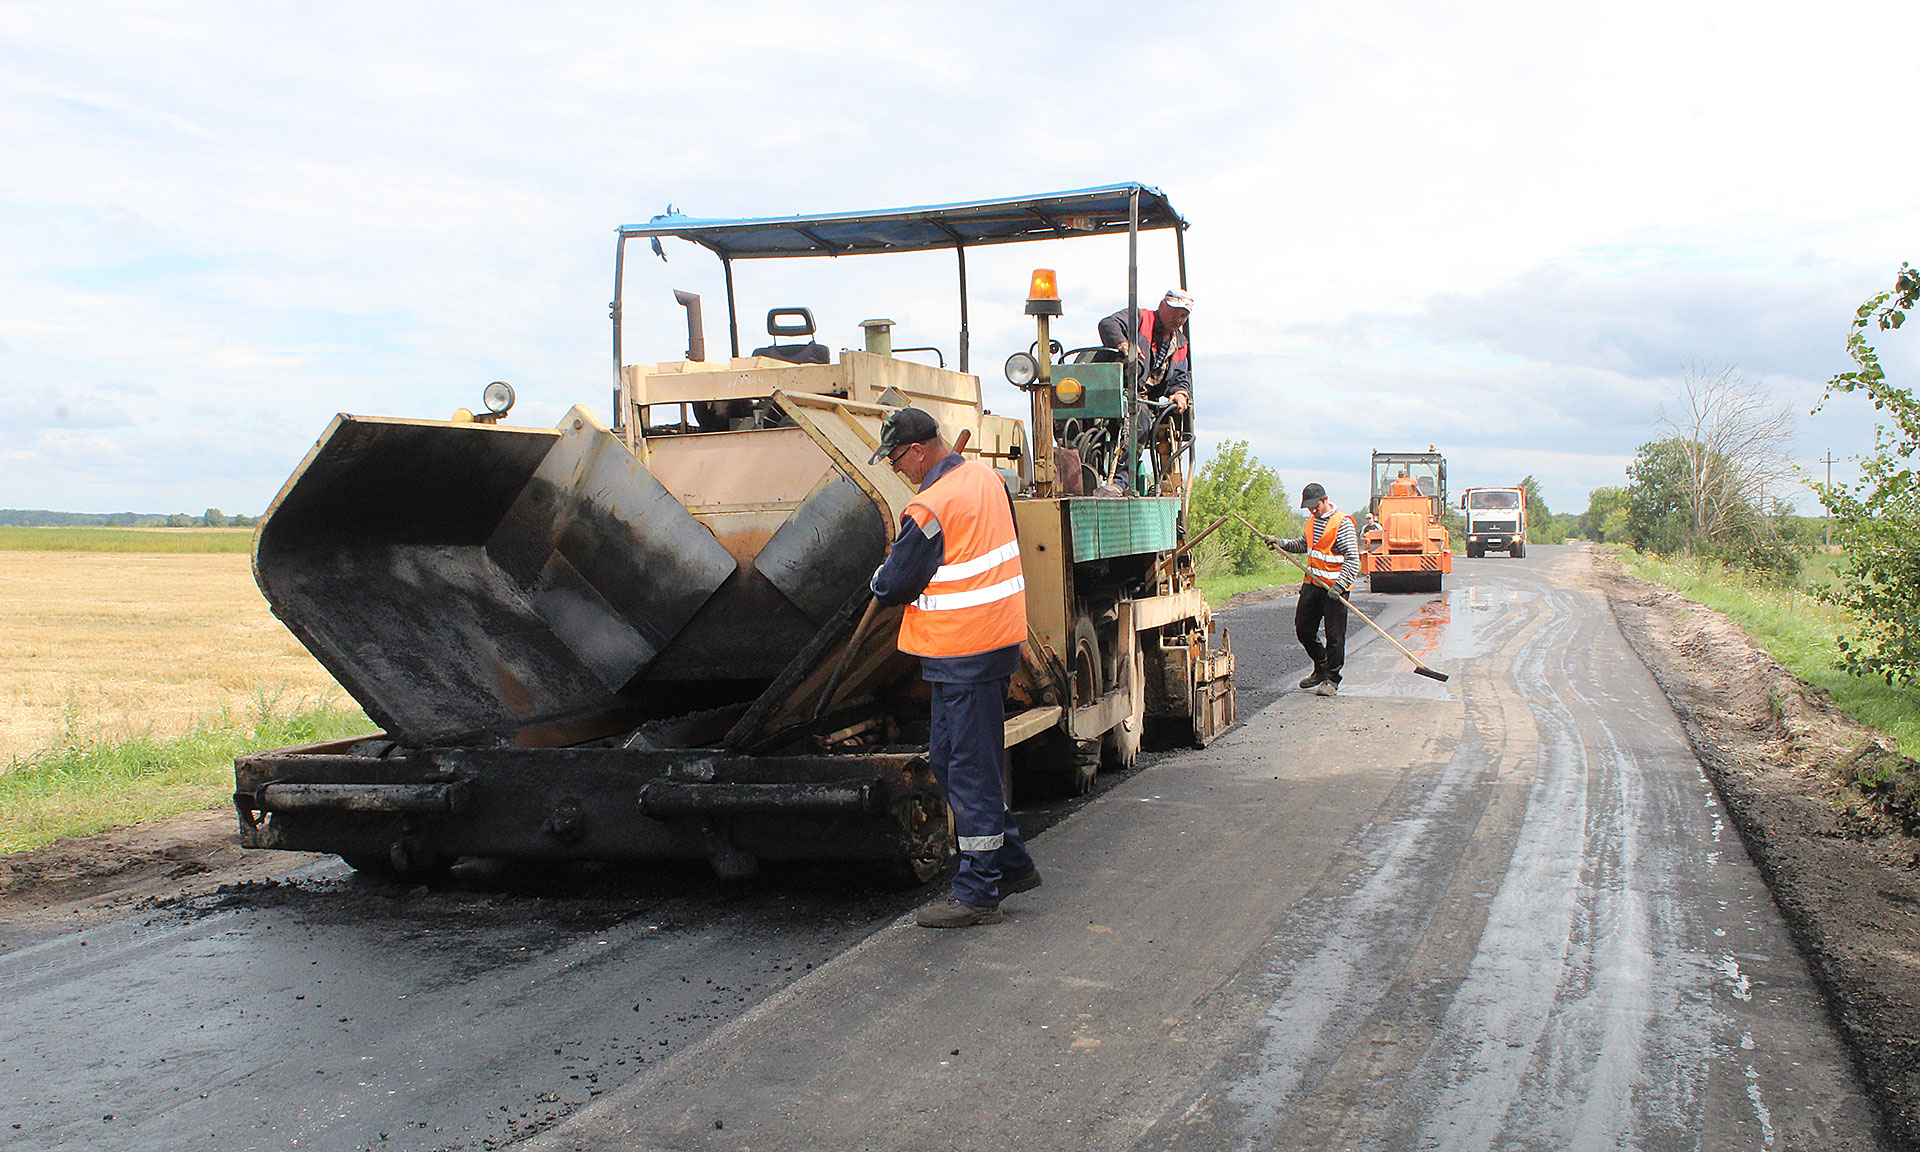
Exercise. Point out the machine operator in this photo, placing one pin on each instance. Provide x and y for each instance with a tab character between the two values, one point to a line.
1159	361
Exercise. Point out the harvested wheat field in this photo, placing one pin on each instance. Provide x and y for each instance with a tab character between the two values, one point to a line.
105	645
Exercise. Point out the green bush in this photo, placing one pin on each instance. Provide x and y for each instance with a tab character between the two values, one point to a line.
1235	481
1769	558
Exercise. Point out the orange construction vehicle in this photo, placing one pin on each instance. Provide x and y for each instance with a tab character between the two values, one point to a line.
1404	548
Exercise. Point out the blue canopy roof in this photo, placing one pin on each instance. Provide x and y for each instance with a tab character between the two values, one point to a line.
1085	212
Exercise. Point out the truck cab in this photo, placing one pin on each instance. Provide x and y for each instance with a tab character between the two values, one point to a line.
1496	521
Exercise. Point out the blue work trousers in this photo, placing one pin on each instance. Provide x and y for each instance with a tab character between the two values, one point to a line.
968	748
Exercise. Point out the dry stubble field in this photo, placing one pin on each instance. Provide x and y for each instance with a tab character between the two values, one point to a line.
105	645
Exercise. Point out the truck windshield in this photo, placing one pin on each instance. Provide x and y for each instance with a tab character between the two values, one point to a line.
1501	500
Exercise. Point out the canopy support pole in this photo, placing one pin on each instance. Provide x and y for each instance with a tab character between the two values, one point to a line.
966	339
613	312
1131	399
733	316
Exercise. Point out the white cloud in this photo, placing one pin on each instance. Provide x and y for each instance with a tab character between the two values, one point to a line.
1506	227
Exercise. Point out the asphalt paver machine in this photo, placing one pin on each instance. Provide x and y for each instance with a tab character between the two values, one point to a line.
640	637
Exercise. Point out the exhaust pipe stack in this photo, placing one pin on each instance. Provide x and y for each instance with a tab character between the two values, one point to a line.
696	328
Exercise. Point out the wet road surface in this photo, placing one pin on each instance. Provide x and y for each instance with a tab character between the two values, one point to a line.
1505	912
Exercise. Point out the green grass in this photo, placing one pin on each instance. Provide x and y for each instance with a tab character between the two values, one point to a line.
83	787
1218	589
126	539
1799	631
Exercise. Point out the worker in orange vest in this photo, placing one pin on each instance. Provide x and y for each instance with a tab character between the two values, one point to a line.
956	566
1404	485
1333	565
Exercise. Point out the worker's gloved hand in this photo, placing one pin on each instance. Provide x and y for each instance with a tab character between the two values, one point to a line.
873	582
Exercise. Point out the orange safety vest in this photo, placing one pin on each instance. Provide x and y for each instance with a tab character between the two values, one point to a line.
1407	487
1149	319
1323	563
977	599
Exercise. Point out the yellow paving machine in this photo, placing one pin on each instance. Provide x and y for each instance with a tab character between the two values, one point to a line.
639	636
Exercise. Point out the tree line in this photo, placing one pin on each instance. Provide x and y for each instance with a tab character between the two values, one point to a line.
43	518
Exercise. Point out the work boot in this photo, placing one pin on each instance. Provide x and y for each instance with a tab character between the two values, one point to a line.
1326	688
954	912
1023	883
1314	680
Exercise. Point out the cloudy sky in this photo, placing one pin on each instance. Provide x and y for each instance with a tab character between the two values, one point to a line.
1507	229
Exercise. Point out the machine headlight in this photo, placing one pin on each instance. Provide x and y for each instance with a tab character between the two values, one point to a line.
1069	391
1022	369
498	397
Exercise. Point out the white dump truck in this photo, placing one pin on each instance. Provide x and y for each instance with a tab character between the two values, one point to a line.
1496	521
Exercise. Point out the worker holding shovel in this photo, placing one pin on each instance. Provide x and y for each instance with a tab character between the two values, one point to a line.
1336	591
1333	564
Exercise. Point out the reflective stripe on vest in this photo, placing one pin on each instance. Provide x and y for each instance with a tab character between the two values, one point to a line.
949	601
1000	555
1323	563
976	601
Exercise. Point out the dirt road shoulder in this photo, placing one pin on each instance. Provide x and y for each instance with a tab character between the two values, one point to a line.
1845	876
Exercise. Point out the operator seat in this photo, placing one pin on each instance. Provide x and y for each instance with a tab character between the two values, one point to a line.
793	322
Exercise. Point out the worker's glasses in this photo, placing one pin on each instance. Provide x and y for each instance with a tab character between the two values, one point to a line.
894	458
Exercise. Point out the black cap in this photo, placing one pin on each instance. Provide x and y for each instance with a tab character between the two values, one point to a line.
903	427
1312	494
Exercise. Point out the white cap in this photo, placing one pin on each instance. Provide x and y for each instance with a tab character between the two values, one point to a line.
1175	298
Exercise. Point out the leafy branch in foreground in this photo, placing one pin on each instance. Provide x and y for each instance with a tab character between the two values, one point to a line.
1877	521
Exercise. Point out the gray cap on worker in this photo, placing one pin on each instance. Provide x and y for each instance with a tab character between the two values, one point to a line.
903	427
1312	494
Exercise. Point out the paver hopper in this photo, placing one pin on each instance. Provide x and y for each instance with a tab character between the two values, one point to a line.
638	640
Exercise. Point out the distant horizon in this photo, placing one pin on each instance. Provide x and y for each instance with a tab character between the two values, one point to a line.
55	518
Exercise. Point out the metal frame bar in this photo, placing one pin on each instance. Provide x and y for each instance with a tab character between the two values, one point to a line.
1128	449
733	315
960	251
613	311
1193	442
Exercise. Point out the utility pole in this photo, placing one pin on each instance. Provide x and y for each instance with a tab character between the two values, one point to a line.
1827	512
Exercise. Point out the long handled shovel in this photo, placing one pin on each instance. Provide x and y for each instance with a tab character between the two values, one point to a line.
1419	669
840	666
866	621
